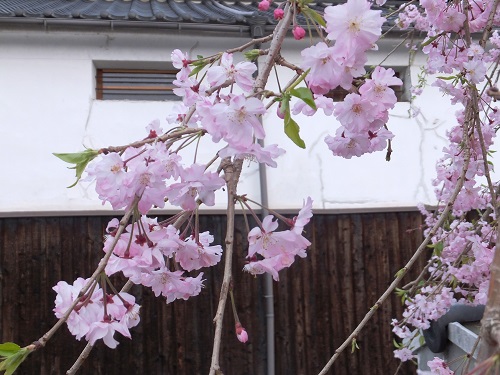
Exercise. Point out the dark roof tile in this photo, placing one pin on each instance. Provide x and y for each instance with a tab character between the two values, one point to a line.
232	12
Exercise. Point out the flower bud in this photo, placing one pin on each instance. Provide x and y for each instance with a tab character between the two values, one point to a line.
264	5
280	112
241	333
298	33
278	13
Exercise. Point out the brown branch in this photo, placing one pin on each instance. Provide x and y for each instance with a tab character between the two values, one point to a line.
278	38
231	174
490	324
251	43
165	137
281	61
489	24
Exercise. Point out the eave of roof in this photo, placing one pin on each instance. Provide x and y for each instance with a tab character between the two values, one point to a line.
203	15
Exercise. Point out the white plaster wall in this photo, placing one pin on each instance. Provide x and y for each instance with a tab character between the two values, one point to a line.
368	181
47	104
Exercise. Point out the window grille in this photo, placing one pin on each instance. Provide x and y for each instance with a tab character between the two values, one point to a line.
135	84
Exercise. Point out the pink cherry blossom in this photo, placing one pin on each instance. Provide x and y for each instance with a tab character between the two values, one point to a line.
354	23
302	219
235	120
173	285
450	19
355	112
179	59
194	255
267	265
241	74
439	367
475	70
377	88
195	183
256	152
105	330
347	144
154	129
325	71
322	102
404	354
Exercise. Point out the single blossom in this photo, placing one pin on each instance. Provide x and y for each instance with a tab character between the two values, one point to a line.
195	183
404	354
354	24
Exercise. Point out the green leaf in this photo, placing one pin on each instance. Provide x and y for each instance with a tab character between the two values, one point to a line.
430	40
77	157
196	70
252	54
8	348
315	16
354	345
285	103
305	94
12	362
401	272
80	159
400	292
299	80
292	130
449	78
421	340
438	248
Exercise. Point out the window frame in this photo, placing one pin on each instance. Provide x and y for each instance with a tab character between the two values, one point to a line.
143	89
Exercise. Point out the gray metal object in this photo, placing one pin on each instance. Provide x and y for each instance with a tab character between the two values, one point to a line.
436	337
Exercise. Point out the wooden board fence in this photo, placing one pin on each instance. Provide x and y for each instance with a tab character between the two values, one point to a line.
318	301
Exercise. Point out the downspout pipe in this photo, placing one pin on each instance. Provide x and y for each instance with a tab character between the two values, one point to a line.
257	30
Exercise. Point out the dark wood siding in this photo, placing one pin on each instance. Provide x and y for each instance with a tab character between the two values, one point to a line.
317	302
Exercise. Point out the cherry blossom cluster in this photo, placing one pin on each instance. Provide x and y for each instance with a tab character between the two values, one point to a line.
98	315
444	16
277	249
459	268
220	110
150	173
363	113
146	252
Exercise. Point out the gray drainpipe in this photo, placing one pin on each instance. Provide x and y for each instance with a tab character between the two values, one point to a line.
257	30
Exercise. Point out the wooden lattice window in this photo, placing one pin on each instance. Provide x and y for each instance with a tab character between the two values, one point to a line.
135	84
402	92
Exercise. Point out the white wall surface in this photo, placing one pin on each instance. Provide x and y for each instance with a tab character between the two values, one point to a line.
47	104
